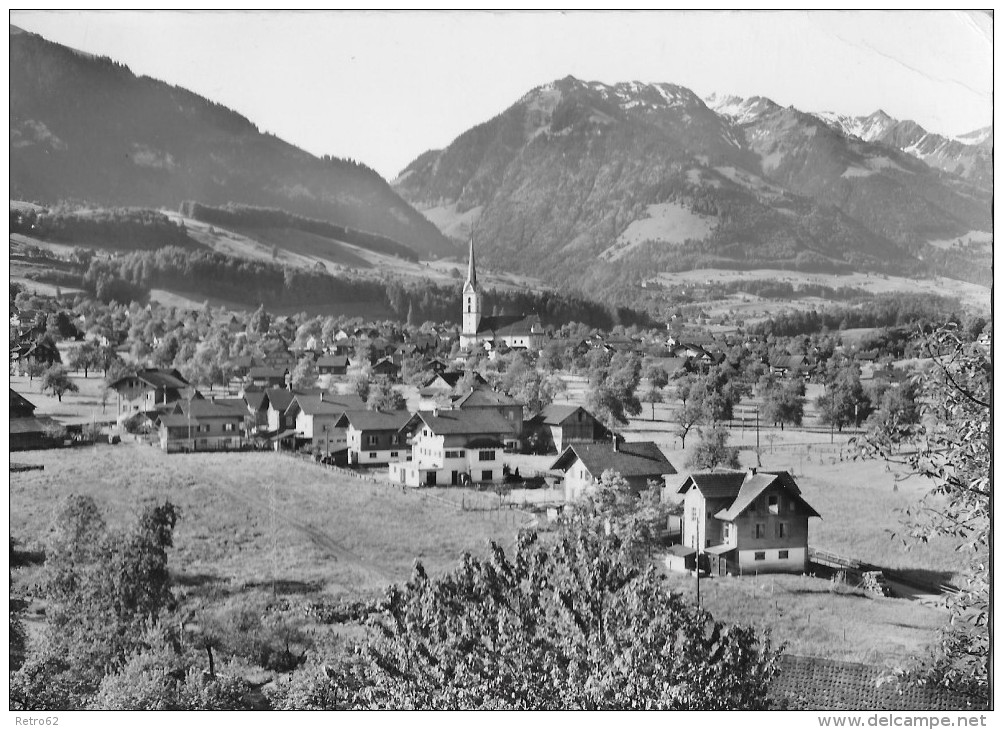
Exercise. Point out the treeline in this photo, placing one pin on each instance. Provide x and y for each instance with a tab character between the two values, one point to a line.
886	310
773	289
246	216
202	272
121	228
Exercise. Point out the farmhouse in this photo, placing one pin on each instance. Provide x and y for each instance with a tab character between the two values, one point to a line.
276	402
374	437
557	426
747	521
453	447
784	364
637	462
484	399
265	376
148	389
332	365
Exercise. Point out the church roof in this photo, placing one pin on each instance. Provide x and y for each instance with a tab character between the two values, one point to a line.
509	325
471	269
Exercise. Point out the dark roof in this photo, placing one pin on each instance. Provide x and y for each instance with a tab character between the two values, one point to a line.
279	398
715	485
333	361
509	325
20	407
176	419
810	683
31	424
157	378
554	414
478	421
789	362
452	377
640	458
366	420
209	409
255	400
485	398
244	361
237	403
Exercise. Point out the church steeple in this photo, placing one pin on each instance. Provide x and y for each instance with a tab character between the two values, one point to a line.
471	315
471	269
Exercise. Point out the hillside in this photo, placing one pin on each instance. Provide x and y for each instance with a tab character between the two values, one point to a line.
86	129
599	186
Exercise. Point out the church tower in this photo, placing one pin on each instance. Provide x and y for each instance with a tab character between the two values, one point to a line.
471	303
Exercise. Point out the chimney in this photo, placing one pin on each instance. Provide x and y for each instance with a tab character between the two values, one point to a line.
752	471
616	443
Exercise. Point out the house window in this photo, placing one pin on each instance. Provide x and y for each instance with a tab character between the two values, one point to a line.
761	555
760	530
727	531
371	440
372	454
774	504
782	530
783	555
461	453
486	456
693	513
395	438
486	475
394	454
229	426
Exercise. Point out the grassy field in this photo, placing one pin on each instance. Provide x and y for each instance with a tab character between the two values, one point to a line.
251	519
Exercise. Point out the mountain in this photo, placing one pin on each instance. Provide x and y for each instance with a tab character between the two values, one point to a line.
969	156
598	186
86	129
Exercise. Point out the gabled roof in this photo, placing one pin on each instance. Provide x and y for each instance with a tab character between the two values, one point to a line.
715	485
31	424
754	485
209	409
505	325
478	421
157	378
789	362
366	420
175	420
20	407
255	400
452	377
556	414
279	398
326	404
640	458
485	398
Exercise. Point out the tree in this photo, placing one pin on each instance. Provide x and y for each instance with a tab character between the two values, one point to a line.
35	369
688	417
576	610
845	400
58	381
713	451
783	403
612	395
84	357
304	375
384	397
360	385
653	395
952	446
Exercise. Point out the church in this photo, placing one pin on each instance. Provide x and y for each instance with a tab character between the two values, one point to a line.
515	331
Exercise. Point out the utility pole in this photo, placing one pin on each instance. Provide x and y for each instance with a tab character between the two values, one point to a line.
759	458
702	509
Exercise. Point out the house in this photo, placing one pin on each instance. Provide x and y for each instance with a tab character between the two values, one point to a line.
439	390
149	389
265	376
557	426
637	462
257	407
202	425
453	447
385	367
483	398
374	437
315	415
747	521
784	364
28	431
242	365
277	401
332	365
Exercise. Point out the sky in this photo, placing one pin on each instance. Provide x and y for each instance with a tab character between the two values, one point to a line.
382	87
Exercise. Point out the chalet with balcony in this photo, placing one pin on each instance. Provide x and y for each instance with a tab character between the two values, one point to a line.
315	416
202	425
744	522
266	376
482	398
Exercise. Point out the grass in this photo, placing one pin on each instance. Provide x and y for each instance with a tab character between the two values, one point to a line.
252	518
816	617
